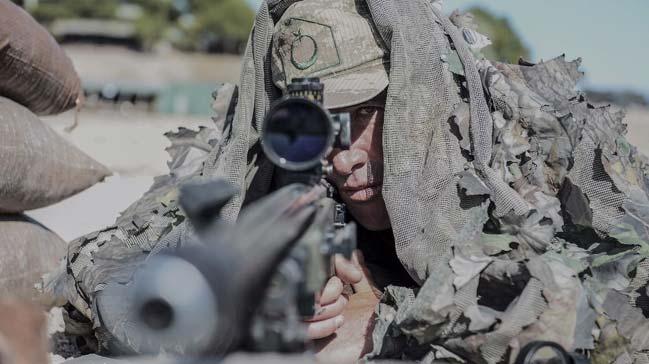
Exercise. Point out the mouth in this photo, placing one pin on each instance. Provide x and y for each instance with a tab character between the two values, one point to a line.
362	194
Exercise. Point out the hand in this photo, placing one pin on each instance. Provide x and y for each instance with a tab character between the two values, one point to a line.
331	303
353	339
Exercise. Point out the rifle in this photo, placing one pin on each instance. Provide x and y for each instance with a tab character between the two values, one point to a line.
249	285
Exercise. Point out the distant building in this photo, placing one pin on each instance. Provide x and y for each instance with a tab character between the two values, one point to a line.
96	31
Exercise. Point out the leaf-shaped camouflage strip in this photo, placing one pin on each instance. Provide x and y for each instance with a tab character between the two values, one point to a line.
554	80
189	149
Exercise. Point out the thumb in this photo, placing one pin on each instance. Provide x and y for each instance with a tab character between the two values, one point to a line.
365	284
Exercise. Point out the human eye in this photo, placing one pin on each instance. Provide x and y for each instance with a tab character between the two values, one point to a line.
367	111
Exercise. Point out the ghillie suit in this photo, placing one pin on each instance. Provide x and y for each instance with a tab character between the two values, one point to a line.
519	208
558	253
571	269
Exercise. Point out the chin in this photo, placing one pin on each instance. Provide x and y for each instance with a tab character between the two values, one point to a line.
376	226
365	195
372	215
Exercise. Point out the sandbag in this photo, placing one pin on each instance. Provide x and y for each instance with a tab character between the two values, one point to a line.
37	166
34	70
28	250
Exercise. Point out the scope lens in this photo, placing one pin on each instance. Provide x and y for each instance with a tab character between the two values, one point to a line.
298	132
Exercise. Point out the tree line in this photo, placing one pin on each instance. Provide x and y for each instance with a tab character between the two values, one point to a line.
197	25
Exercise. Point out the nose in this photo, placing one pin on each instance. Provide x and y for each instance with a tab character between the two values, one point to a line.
347	161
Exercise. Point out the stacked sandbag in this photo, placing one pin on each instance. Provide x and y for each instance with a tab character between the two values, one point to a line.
37	166
28	250
34	70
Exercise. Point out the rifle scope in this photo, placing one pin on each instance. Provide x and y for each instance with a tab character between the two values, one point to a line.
298	132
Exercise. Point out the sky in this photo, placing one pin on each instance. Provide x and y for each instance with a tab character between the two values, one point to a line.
610	36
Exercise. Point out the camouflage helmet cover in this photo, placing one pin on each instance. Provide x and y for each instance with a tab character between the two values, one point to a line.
335	41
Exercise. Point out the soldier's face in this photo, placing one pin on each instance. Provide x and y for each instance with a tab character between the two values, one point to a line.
358	171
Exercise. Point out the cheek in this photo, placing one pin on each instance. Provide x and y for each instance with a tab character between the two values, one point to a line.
373	136
368	137
378	139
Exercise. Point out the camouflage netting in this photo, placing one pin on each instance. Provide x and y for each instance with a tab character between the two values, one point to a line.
520	208
571	268
153	223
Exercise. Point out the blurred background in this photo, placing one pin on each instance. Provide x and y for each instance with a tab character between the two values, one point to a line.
149	66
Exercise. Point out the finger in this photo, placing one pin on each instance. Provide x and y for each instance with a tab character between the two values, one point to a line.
363	284
346	270
332	290
331	310
358	259
322	329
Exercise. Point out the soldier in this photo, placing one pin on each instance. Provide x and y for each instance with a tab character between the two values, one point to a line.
516	208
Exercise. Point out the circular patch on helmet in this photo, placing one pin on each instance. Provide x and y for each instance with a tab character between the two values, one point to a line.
304	51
